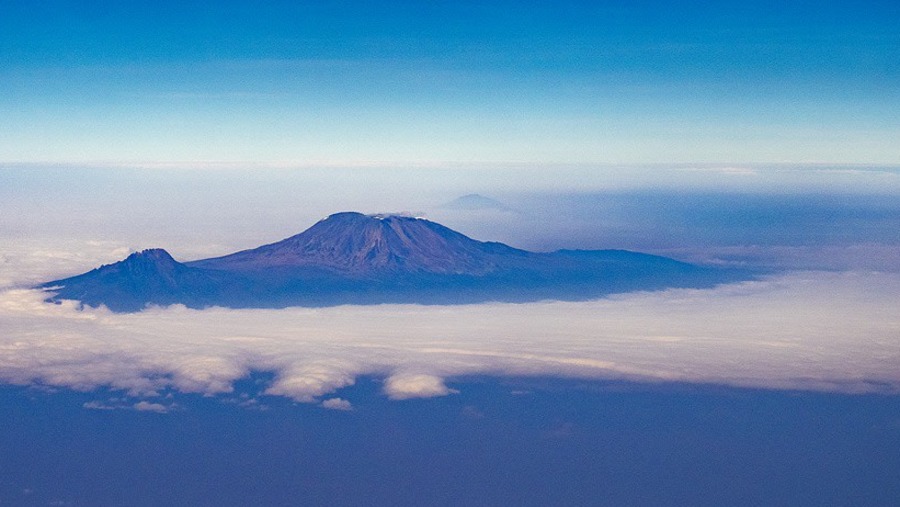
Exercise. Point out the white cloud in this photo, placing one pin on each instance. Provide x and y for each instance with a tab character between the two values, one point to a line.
403	386
337	404
806	330
97	405
146	406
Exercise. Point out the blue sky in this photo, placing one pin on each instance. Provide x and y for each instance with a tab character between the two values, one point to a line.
311	83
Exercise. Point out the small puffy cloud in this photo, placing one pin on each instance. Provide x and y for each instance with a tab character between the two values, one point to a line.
305	382
337	404
404	386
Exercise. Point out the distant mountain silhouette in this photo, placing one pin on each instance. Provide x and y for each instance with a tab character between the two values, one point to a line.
473	202
351	258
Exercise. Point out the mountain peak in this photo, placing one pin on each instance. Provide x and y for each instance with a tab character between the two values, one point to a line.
143	262
150	259
151	254
355	243
146	276
355	216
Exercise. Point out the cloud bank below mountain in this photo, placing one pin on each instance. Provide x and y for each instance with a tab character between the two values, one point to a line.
804	330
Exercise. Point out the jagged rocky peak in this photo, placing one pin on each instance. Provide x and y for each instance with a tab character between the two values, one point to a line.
151	259
147	262
151	254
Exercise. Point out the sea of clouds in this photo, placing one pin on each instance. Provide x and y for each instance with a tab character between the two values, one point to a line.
808	330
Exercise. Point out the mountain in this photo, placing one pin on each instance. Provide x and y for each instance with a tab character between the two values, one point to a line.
357	245
472	202
351	258
146	276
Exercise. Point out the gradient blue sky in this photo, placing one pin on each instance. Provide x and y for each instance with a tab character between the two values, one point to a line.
300	83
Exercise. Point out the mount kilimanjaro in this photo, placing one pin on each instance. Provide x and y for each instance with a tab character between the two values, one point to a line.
351	258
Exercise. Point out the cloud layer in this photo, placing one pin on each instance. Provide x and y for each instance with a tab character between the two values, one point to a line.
804	330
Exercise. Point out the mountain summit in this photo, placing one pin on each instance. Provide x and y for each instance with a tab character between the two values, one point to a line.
352	258
356	244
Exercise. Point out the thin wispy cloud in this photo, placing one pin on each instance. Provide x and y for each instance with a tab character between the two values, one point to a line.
146	406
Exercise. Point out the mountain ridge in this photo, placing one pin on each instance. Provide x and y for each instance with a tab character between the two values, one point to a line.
352	258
